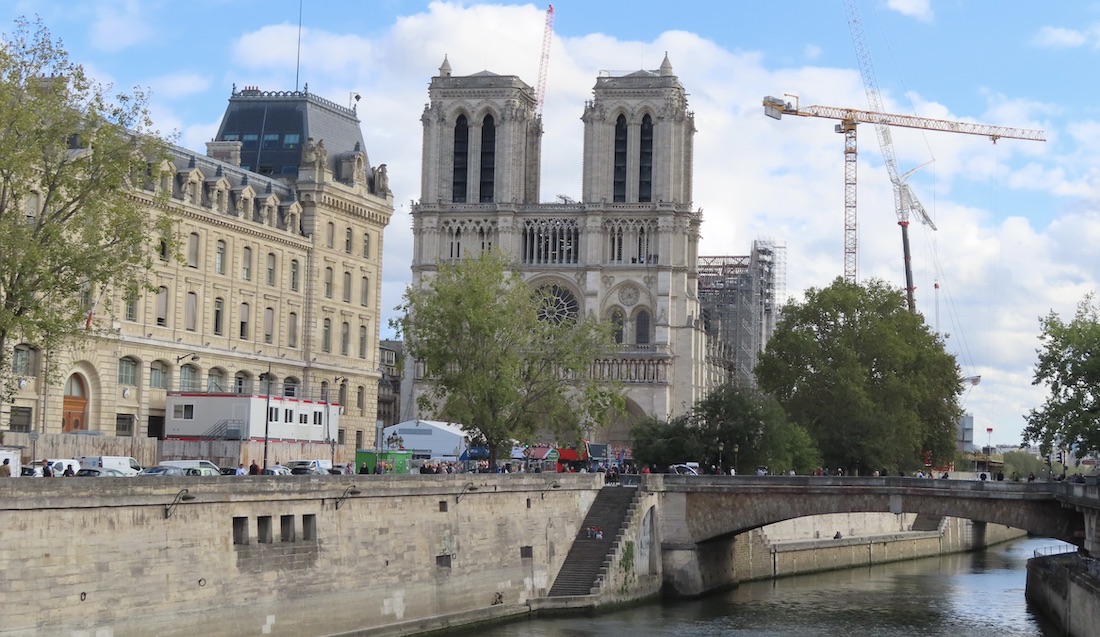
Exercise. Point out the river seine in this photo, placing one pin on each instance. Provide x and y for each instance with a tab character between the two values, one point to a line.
973	594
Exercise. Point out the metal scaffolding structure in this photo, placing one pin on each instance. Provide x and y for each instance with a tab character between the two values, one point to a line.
741	297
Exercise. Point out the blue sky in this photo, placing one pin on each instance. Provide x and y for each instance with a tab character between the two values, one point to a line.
1018	221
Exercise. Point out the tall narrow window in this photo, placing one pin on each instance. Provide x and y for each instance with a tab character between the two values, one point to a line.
219	316
131	308
219	257
348	240
364	291
193	250
326	336
619	175
330	234
345	338
127	371
488	158
645	161
158	375
269	324
292	330
244	321
162	306
246	264
271	268
215	380
347	287
461	160
362	341
294	275
189	378
641	328
617	321
191	312
366	245
328	283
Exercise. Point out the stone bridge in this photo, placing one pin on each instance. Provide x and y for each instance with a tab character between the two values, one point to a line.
700	515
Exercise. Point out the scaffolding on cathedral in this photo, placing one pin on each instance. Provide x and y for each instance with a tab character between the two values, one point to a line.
741	297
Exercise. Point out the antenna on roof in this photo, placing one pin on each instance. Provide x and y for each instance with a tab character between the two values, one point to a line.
298	60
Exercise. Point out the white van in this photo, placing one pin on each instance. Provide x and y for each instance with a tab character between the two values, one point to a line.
204	467
313	467
125	464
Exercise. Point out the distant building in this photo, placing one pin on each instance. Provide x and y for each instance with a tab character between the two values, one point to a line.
281	232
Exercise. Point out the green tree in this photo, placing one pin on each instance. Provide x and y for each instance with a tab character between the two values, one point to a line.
503	360
658	443
866	378
73	232
756	424
1069	365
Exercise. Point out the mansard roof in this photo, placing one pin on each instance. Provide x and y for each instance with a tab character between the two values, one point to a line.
274	127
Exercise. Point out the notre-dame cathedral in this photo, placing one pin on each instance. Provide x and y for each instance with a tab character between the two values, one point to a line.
627	252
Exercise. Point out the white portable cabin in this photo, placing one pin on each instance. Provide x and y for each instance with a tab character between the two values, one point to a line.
241	417
430	439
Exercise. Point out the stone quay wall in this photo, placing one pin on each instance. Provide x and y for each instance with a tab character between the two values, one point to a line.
293	555
1067	588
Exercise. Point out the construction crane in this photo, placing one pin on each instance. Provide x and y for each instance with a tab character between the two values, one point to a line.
776	108
544	62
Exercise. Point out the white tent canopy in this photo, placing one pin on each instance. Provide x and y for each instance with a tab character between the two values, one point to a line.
430	439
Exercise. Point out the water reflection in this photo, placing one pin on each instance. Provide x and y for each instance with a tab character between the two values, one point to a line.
976	594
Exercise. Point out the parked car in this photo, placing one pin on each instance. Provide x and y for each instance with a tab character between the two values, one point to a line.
311	471
101	472
202	471
163	471
683	470
277	470
229	471
27	471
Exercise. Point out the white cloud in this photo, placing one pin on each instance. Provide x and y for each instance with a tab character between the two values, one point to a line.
177	85
919	9
1059	37
117	26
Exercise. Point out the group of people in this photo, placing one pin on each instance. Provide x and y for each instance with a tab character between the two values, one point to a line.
595	532
48	472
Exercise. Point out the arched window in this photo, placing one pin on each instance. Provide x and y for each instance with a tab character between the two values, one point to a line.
189	378
328	283
343	397
361	399
324	390
364	291
347	241
345	338
326	336
294	275
645	160
641	328
215	380
366	245
330	234
159	376
461	160
271	268
619	174
488	158
242	383
362	341
347	287
74	414
617	321
291	387
127	371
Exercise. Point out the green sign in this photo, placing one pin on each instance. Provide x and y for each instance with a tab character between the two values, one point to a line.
553	455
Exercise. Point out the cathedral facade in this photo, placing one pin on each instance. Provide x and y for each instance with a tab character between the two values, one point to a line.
626	253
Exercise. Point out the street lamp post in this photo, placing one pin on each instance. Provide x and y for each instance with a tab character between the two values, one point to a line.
989	450
266	377
735	450
721	447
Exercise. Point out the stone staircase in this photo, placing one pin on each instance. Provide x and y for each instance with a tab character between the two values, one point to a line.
588	556
926	522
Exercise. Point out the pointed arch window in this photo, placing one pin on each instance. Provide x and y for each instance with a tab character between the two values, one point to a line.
488	158
641	328
645	161
461	160
617	321
619	175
